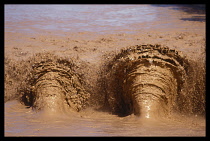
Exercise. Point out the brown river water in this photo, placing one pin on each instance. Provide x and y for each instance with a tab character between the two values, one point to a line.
89	33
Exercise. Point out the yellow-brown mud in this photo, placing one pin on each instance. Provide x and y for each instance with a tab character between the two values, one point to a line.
91	52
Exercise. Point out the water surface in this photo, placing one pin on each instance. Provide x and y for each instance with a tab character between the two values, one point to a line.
92	123
95	18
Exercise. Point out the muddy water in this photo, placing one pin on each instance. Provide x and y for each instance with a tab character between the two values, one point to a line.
97	18
88	32
92	123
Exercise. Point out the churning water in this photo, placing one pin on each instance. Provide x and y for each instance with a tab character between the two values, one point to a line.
91	123
21	120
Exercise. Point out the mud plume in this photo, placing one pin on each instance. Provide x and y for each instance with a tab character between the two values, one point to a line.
47	82
151	80
145	80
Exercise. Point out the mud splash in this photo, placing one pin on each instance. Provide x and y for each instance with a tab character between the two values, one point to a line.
94	32
145	80
46	82
166	91
151	81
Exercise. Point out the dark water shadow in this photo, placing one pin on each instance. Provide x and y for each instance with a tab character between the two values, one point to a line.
188	8
195	18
